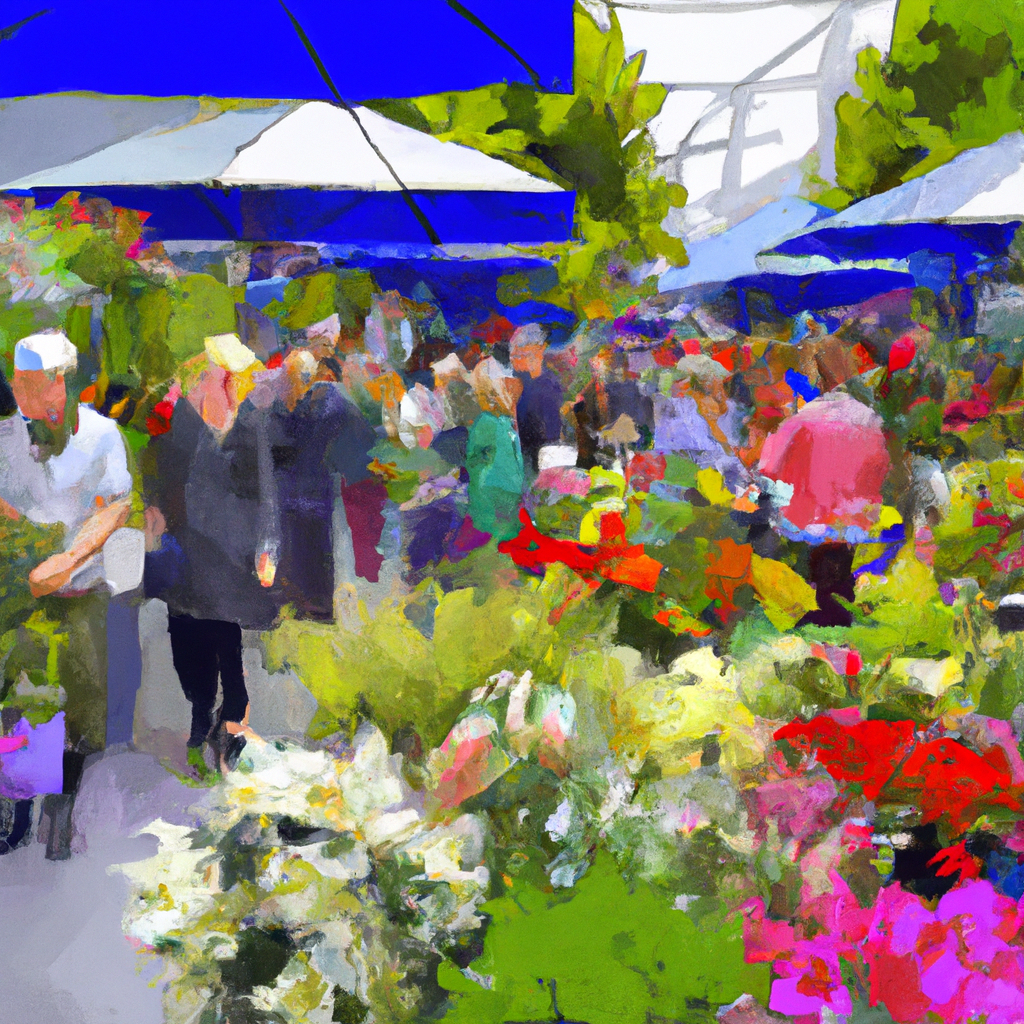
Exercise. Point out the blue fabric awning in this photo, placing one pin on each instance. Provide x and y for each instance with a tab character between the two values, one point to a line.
792	294
722	257
339	217
968	245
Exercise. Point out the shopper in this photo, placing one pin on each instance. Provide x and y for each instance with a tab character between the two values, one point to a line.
61	462
208	528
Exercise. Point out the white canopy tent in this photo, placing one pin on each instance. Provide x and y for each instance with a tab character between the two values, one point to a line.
306	172
321	144
979	186
753	86
306	144
967	209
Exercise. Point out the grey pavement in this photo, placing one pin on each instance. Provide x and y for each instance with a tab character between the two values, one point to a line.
65	958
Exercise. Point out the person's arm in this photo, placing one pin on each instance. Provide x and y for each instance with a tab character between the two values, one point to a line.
269	551
114	508
56	571
156	527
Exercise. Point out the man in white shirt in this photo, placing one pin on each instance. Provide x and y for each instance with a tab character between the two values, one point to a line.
59	469
69	466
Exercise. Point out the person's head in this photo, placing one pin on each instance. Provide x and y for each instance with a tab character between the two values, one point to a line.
982	491
41	364
526	349
301	368
227	379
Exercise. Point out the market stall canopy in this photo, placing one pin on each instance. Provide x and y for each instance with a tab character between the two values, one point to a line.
197	48
753	88
305	172
979	186
965	213
733	253
320	144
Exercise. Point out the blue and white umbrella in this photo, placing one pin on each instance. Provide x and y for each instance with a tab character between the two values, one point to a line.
965	213
305	172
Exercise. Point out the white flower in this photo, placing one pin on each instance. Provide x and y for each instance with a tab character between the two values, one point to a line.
559	823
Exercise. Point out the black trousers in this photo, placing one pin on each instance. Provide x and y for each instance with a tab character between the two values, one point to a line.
204	649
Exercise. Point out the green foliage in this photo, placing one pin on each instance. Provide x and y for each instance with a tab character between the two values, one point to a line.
315	297
24	545
593	140
608	953
892	625
74	246
1004	686
31	655
200	306
403	678
29	642
151	326
951	81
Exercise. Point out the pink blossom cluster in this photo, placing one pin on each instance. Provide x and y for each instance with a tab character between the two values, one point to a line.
961	961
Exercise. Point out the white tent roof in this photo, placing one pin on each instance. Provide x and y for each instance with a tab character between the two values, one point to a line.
753	87
321	144
195	152
720	43
306	144
984	185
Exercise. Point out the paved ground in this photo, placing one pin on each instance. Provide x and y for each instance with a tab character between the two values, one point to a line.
65	959
63	956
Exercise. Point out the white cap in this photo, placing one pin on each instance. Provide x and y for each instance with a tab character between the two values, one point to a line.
51	352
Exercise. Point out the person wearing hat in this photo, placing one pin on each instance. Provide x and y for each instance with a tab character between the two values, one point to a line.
64	463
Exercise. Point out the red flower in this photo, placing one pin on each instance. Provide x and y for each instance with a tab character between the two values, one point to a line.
945	777
643	469
956	860
902	353
160	421
866	753
493	330
612	559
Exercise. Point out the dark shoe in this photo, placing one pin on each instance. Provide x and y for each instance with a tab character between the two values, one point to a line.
15	824
228	748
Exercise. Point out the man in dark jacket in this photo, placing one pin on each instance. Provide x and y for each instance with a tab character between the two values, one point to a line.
247	527
205	531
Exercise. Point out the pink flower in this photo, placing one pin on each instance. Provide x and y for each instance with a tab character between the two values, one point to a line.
798	805
962	960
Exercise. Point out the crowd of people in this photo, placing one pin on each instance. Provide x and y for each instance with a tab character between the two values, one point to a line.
227	517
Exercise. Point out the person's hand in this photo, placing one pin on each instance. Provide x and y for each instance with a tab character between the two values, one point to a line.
266	568
156	527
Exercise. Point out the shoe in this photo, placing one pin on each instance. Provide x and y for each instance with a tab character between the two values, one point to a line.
15	824
229	747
